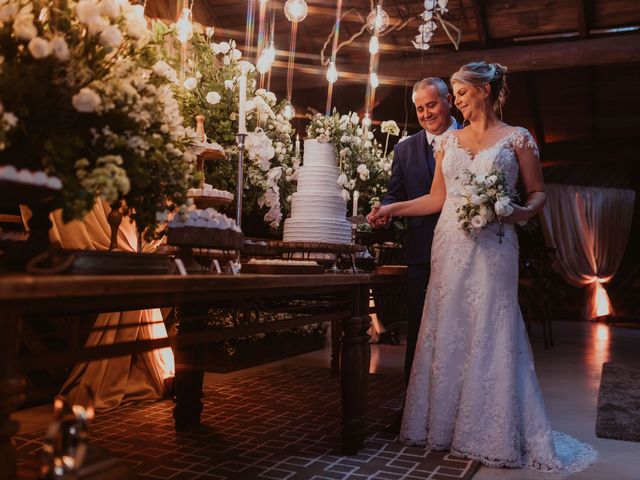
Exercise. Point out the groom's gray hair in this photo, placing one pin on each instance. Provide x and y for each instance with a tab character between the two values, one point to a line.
440	85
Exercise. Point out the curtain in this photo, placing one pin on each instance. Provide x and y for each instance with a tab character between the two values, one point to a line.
589	227
126	378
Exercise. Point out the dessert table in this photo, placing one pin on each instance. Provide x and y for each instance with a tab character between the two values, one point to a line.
348	294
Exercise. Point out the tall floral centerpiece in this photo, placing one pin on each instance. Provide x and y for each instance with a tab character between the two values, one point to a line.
364	168
206	83
84	99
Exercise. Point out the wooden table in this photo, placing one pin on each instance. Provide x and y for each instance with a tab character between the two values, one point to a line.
22	294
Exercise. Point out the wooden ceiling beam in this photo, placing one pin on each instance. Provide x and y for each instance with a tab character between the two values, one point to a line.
525	58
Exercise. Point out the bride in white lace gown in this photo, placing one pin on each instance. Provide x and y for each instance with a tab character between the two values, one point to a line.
473	388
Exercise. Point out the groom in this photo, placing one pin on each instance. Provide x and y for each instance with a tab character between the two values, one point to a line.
411	176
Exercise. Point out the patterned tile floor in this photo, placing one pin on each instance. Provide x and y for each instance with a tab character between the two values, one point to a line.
277	423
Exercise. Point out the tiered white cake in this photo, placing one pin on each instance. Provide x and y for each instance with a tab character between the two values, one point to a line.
318	211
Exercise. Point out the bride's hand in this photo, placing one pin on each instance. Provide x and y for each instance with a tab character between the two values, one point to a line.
519	214
379	216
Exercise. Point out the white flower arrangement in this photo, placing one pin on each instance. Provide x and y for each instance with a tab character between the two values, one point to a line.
93	109
216	67
483	199
363	164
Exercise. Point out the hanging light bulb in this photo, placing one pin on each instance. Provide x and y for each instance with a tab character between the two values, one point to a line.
366	120
377	20
374	45
184	27
266	59
288	111
296	10
332	73
374	80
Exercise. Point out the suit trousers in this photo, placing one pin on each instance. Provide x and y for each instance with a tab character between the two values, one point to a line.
417	279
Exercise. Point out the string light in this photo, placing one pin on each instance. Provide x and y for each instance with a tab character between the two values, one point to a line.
288	111
378	19
296	10
332	73
373	80
184	26
374	45
266	59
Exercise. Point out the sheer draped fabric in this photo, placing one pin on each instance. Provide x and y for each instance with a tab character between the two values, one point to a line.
473	388
114	380
590	228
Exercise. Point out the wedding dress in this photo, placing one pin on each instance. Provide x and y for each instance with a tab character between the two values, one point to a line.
473	388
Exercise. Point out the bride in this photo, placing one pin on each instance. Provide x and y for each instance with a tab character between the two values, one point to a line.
473	388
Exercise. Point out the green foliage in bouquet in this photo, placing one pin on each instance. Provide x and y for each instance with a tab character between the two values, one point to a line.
207	85
364	165
88	105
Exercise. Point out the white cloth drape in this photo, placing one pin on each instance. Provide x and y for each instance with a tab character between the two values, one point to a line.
589	227
132	377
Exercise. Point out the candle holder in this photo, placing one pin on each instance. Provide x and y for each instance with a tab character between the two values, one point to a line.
240	140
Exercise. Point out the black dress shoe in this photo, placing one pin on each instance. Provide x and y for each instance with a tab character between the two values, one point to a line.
394	427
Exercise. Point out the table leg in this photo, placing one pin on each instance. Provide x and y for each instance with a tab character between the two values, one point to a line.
335	347
355	356
189	370
11	391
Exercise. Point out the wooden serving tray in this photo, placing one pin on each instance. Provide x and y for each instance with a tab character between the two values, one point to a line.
196	237
282	269
203	202
391	270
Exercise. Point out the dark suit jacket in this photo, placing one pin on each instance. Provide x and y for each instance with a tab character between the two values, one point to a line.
411	176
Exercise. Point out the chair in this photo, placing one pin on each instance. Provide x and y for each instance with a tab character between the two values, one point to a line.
533	290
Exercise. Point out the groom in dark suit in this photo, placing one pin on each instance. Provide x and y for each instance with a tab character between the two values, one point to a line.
411	176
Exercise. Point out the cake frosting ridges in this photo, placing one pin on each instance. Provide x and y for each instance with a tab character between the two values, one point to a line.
318	211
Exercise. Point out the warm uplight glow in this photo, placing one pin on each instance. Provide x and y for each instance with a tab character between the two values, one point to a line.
295	10
288	111
266	59
600	346
373	79
374	45
184	27
602	301
378	20
163	356
332	73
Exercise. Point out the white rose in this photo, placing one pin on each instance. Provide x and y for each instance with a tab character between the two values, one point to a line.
190	83
354	118
236	54
8	12
60	48
86	100
475	199
111	38
228	84
224	47
109	8
480	178
503	207
345	195
136	23
86	10
39	48
23	27
478	222
213	98
486	213
491	180
342	180
215	48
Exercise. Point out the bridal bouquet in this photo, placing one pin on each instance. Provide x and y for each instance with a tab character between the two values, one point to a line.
484	199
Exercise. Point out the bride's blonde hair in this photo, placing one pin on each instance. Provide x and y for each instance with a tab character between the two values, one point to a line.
481	73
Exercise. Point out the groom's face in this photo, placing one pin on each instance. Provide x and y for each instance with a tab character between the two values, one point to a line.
433	111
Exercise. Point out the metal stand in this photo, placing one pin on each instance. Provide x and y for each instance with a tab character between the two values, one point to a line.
240	140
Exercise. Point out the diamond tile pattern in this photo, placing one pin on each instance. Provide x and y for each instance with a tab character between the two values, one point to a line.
278	423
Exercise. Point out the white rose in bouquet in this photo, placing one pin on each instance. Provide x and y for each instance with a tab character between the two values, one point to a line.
39	48
86	101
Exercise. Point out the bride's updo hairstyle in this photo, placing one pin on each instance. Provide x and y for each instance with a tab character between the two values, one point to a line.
481	73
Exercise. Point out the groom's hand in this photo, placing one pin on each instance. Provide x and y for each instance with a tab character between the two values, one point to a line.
376	220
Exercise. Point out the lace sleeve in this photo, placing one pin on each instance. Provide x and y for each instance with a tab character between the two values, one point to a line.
523	139
440	142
